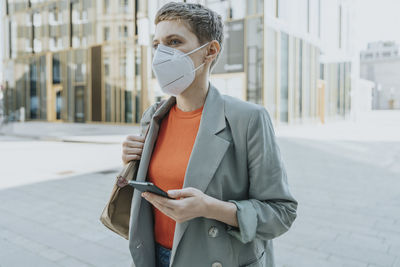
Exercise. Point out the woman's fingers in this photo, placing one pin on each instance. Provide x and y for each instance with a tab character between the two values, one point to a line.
135	138
127	158
129	143
129	150
132	148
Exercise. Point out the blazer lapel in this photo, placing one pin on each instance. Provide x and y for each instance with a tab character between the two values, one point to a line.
207	153
148	147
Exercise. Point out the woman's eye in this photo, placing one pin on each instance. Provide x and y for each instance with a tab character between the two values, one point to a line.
155	46
174	42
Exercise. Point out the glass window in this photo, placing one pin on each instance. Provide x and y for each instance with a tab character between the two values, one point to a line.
43	92
307	81
123	31
76	41
138	113
284	77
108	101
338	89
219	6
237	9
321	71
106	33
106	6
340	27
56	69
130	66
254	60
80	70
232	56
128	107
122	68
270	8
319	18
37	19
79	104
138	84
278	9
230	85
348	86
80	65
123	6
70	91
270	65
117	104
300	85
58	104
106	66
33	90
342	87
253	6
53	15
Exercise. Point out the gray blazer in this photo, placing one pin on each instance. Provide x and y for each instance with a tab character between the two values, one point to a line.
235	158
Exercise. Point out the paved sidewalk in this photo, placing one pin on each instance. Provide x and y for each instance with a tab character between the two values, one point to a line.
56	223
377	125
69	132
347	188
348	213
349	204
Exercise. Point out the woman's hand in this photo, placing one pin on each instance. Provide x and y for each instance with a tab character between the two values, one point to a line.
189	203
132	148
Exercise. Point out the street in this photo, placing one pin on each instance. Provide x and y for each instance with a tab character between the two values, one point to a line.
52	194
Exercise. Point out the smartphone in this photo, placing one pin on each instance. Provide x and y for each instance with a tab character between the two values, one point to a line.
148	187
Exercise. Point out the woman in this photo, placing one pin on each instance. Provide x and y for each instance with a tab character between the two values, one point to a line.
215	155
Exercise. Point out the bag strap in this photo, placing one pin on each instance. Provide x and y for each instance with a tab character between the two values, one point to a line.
146	129
122	177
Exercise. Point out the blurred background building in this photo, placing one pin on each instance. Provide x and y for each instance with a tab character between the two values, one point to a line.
90	60
380	63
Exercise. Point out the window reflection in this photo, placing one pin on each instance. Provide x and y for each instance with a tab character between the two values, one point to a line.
33	93
56	69
270	60
284	77
254	59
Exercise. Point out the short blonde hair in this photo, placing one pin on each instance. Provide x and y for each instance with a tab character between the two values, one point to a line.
206	24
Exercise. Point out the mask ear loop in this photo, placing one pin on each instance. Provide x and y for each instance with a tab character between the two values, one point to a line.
198	67
194	50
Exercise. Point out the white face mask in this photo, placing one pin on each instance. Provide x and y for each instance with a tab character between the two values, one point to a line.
174	69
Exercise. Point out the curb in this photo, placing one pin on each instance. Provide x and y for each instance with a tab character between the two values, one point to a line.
58	139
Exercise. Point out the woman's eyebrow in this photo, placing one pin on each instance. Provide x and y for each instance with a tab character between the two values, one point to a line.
169	36
173	35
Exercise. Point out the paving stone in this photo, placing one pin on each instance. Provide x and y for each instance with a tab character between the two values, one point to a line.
347	214
52	254
71	262
24	257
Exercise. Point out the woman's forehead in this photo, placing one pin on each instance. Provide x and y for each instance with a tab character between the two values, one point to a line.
169	28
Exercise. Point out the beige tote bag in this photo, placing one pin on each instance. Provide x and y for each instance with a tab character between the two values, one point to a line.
116	213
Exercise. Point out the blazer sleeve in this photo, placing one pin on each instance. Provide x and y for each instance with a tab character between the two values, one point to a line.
271	208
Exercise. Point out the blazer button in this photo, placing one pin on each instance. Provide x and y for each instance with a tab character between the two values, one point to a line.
213	231
216	264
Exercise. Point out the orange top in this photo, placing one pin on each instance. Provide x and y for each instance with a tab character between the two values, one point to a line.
169	160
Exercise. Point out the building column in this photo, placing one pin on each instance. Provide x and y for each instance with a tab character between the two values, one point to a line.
144	42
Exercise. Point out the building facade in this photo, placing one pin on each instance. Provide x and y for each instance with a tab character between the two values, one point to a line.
380	63
90	60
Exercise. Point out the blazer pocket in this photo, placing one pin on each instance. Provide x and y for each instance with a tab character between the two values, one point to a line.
257	262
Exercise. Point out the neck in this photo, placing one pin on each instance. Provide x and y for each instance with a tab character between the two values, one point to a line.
194	96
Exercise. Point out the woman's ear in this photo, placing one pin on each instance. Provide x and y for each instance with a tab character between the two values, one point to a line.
212	51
